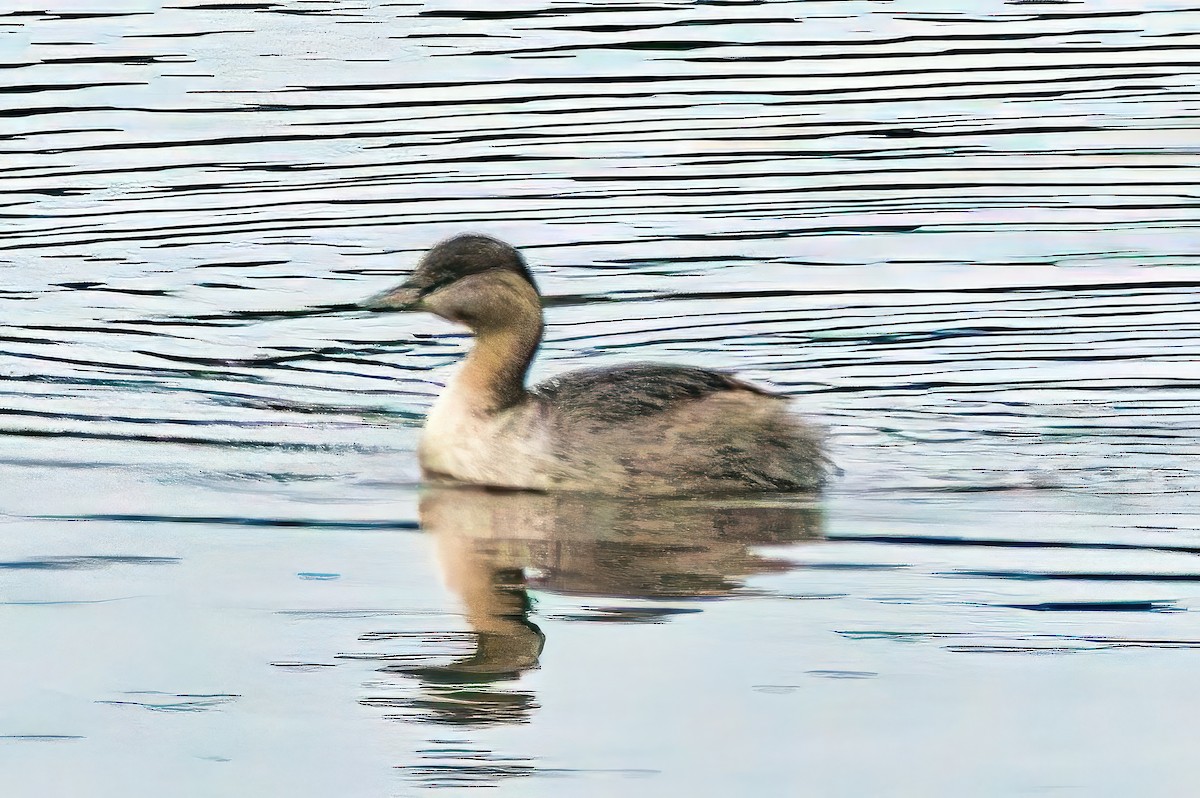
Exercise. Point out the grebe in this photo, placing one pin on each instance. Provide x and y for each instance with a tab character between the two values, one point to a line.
644	428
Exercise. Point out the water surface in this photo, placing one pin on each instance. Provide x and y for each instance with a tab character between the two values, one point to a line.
964	237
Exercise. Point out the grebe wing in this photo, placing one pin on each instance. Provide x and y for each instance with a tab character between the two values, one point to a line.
619	393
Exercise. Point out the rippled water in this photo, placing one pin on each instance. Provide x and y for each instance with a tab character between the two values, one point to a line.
964	236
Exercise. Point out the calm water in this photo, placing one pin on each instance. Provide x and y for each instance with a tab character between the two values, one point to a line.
964	237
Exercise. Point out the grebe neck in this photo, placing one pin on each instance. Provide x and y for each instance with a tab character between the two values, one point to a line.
493	376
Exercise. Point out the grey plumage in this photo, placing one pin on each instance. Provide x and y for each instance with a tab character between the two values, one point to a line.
621	393
661	428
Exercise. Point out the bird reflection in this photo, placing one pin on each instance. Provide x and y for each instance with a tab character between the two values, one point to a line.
494	546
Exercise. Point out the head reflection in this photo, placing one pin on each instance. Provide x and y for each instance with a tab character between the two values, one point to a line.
494	546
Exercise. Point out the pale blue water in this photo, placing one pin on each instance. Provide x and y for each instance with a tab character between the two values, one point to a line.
964	237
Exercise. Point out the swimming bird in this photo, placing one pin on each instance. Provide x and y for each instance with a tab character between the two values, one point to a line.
644	428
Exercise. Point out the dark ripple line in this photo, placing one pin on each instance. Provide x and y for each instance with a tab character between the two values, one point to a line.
198	166
34	88
670	44
867	363
170	422
289	362
474	14
125	60
911	187
1008	543
1098	14
709	78
973	386
179	439
18	113
228	377
1096	606
186	35
1064	50
59	15
1072	288
1082	576
219	141
218	520
677	23
66	328
95	364
84	562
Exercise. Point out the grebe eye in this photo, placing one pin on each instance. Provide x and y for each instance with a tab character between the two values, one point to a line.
438	284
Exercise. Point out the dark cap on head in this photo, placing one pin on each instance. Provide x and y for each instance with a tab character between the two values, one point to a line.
449	261
462	255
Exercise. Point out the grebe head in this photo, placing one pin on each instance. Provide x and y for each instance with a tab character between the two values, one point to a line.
470	279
